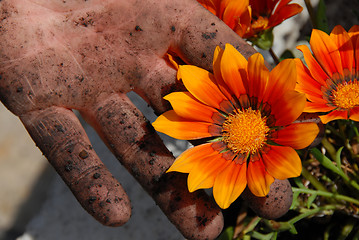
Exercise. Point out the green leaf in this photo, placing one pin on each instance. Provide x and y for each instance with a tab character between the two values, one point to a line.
338	159
311	199
292	229
299	182
286	54
347	229
321	19
264	40
327	163
215	139
227	234
295	202
260	236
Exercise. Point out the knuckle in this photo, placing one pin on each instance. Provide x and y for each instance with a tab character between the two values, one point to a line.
62	140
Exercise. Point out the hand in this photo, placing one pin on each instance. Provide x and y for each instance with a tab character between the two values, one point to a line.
56	56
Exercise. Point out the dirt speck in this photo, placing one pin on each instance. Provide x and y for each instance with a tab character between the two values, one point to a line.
83	154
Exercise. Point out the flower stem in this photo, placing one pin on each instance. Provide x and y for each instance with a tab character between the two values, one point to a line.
289	225
274	56
327	194
329	147
313	180
312	212
310	9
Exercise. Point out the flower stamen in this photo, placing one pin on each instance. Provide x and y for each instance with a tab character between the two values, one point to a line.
346	95
245	132
260	23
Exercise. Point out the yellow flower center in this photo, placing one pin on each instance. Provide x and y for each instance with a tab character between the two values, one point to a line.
245	132
260	23
346	95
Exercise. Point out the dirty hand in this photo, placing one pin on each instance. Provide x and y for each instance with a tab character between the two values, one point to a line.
56	56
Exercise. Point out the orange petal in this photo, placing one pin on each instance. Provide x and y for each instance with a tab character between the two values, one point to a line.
172	62
187	106
218	53
354	31
188	159
326	52
288	108
281	79
204	173
257	76
217	56
233	69
315	69
229	184
283	13
209	5
174	126
311	94
261	7
234	11
354	36
258	179
244	25
201	84
334	116
354	114
281	4
306	84
317	107
282	162
345	46
356	53
298	135
312	97
222	5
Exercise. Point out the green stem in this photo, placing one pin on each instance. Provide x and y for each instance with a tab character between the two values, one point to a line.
311	12
252	225
353	183
327	163
313	180
312	212
261	236
274	56
354	127
327	194
334	131
329	147
342	126
289	225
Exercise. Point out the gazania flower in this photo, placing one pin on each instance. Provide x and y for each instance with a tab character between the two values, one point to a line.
330	79
248	18
248	113
235	13
267	14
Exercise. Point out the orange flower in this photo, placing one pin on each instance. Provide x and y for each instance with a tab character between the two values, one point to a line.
330	81
267	14
248	112
235	13
248	18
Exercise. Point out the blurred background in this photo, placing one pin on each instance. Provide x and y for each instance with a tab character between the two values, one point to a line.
36	204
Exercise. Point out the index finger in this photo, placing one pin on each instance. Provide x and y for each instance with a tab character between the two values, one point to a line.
200	33
60	136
